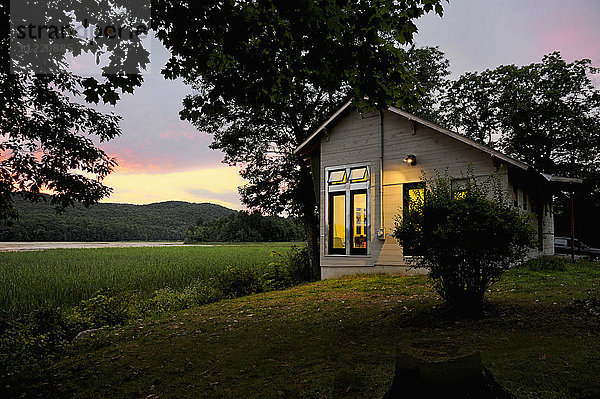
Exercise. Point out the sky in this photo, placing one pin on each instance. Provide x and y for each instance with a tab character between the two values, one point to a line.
162	158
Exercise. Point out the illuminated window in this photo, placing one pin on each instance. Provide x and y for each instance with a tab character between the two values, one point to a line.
359	222
348	211
459	188
460	194
337	177
358	174
515	196
413	197
337	223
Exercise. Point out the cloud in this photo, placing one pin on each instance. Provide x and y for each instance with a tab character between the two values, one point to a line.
574	40
154	138
217	185
480	34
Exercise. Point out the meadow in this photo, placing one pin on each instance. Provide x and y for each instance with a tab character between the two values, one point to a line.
337	338
64	277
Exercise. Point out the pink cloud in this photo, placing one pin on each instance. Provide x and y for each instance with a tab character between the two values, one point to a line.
131	162
572	35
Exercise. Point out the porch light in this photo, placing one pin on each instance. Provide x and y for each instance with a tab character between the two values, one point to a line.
411	159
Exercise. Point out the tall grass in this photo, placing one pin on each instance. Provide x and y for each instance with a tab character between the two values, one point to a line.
64	277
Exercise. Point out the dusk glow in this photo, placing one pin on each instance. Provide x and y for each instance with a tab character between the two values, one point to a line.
163	158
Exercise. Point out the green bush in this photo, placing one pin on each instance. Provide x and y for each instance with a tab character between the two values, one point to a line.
166	299
200	294
237	281
287	270
467	238
106	310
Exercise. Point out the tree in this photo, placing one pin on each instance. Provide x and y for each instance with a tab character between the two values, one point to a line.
430	68
47	130
466	237
544	113
245	226
547	114
266	73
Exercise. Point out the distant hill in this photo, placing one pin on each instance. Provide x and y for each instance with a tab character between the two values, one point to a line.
109	222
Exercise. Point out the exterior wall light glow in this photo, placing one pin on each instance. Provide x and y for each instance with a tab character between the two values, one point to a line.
411	159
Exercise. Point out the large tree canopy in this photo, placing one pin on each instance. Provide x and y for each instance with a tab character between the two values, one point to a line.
47	128
546	114
266	72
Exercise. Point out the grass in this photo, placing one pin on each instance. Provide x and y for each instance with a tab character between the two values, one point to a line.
337	338
63	277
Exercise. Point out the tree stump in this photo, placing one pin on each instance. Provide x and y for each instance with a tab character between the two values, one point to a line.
430	368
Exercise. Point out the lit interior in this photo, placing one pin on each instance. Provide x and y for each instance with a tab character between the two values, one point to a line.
358	175
359	218
339	221
337	177
415	197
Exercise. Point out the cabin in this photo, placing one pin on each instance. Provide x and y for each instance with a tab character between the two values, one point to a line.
366	167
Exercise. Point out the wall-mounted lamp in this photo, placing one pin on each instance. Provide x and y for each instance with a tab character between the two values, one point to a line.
411	159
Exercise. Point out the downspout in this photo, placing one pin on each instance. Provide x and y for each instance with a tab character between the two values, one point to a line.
381	231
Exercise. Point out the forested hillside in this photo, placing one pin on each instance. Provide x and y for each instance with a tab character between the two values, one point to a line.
245	226
108	222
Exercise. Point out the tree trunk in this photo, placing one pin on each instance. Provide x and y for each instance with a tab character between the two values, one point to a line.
311	220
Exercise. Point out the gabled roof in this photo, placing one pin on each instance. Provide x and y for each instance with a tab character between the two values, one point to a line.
321	129
462	138
346	107
310	143
562	179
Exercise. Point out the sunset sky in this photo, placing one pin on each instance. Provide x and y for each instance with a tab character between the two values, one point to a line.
163	158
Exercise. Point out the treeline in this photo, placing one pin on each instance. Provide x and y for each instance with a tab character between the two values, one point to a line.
245	226
108	222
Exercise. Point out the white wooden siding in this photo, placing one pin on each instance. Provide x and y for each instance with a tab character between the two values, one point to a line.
355	139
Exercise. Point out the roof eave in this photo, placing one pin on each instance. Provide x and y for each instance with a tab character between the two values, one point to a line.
315	134
461	138
301	149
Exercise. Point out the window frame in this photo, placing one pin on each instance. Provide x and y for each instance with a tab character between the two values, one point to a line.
348	188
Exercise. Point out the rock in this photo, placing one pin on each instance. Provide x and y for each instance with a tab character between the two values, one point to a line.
86	333
590	306
428	369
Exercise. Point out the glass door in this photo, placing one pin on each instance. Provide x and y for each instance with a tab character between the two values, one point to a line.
359	222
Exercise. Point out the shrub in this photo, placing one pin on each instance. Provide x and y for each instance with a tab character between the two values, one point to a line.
166	299
200	294
237	281
466	239
105	309
287	270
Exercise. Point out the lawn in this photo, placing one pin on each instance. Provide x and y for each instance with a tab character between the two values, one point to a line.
337	338
64	277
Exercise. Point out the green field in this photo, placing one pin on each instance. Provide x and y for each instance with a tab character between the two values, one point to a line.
336	339
64	277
